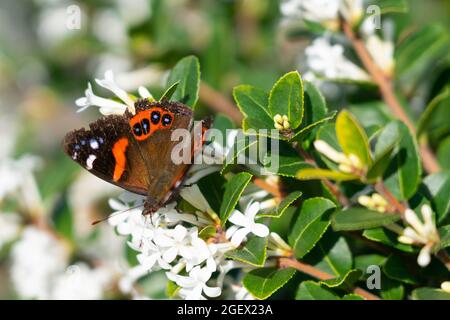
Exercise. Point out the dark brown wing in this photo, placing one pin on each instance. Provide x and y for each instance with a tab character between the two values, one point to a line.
106	150
163	172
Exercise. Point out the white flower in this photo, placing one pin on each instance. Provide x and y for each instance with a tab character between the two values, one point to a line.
351	10
245	224
445	286
381	50
277	247
374	202
176	242
109	106
127	281
421	233
150	256
130	221
17	176
37	258
347	163
80	282
9	226
241	293
325	12
194	196
194	285
199	252
321	11
329	61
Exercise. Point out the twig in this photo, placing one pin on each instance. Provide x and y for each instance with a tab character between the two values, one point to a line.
381	189
216	101
444	257
386	86
318	274
274	190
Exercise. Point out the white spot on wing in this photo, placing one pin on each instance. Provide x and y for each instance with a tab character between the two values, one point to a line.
90	161
75	155
94	144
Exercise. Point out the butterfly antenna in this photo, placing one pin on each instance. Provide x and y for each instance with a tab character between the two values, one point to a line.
114	214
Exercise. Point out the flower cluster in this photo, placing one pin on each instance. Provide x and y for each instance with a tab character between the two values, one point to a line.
328	61
172	241
324	12
374	202
421	233
281	122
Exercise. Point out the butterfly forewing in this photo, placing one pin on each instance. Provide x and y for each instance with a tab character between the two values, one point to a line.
134	151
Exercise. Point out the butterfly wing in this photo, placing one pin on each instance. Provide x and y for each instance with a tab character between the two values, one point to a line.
106	150
161	147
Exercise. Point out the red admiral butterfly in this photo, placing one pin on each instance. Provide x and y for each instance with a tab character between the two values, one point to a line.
133	151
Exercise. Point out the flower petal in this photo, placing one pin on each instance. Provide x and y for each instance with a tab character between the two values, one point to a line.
239	236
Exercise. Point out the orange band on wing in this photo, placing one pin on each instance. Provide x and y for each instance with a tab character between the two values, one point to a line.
118	151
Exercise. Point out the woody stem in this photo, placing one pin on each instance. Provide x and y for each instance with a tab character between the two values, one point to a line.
387	91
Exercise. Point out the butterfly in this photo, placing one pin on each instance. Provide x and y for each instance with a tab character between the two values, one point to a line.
134	150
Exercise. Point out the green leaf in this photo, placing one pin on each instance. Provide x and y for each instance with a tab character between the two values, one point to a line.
442	99
286	98
364	261
170	91
240	147
436	188
300	135
223	123
402	177
331	255
264	282
311	224
282	206
310	290
187	73
316	174
421	50
386	142
444	233
63	220
253	104
253	253
361	218
352	138
233	191
343	282
315	111
391	289
443	154
396	268
212	187
315	104
207	232
288	166
430	294
390	6
172	289
388	238
352	296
